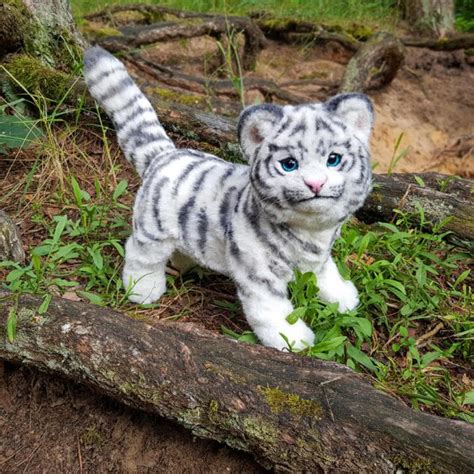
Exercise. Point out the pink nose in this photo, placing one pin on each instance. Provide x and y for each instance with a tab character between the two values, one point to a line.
315	184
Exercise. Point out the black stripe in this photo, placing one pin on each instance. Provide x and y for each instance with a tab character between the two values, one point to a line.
224	208
203	224
119	88
187	171
301	127
183	215
156	201
103	75
133	115
307	246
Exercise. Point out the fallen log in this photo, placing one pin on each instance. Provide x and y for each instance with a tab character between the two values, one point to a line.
293	413
375	64
442	198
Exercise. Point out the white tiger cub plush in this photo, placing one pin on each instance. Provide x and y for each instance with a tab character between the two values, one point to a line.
308	171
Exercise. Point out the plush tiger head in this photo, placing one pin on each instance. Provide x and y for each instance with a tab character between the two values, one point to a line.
309	162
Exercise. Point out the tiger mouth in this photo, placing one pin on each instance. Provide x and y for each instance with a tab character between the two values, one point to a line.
334	196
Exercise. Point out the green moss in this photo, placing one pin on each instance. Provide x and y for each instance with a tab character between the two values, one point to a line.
173	96
95	31
414	466
15	20
280	401
33	76
93	437
359	31
258	428
276	23
212	412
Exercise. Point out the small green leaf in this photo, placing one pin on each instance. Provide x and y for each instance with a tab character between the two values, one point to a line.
92	297
468	398
296	314
361	357
329	345
11	324
420	181
43	307
120	189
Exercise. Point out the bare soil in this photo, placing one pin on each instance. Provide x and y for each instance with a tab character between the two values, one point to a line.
51	425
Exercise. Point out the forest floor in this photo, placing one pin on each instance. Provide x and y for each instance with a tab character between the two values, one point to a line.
51	425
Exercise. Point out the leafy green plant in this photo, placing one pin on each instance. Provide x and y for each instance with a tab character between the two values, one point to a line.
82	253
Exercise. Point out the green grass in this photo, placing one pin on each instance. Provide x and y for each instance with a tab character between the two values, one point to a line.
381	11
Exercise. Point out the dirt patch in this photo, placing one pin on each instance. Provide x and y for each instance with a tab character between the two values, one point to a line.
52	425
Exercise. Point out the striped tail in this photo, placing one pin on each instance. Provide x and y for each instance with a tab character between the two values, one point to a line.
139	132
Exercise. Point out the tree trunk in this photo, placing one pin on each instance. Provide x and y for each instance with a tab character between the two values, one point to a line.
294	413
435	17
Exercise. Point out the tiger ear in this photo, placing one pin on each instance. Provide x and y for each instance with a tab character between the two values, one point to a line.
255	124
354	109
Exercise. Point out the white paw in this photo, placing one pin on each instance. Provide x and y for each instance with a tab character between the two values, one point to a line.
345	293
144	289
299	335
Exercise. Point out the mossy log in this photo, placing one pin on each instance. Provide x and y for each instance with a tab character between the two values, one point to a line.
185	25
442	198
375	64
293	413
450	43
10	241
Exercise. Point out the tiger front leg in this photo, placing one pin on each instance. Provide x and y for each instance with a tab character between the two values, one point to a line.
334	289
266	311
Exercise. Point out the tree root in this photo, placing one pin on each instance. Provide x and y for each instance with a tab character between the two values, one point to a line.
374	65
186	25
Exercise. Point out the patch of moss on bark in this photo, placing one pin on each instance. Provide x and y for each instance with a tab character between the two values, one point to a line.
33	76
280	401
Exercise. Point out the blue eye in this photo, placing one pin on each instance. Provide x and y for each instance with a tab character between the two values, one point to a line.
334	159
289	164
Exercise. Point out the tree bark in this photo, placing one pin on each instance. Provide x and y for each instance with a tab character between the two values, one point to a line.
10	241
294	413
435	17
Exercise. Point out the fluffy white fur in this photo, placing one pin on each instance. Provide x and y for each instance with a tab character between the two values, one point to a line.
254	223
